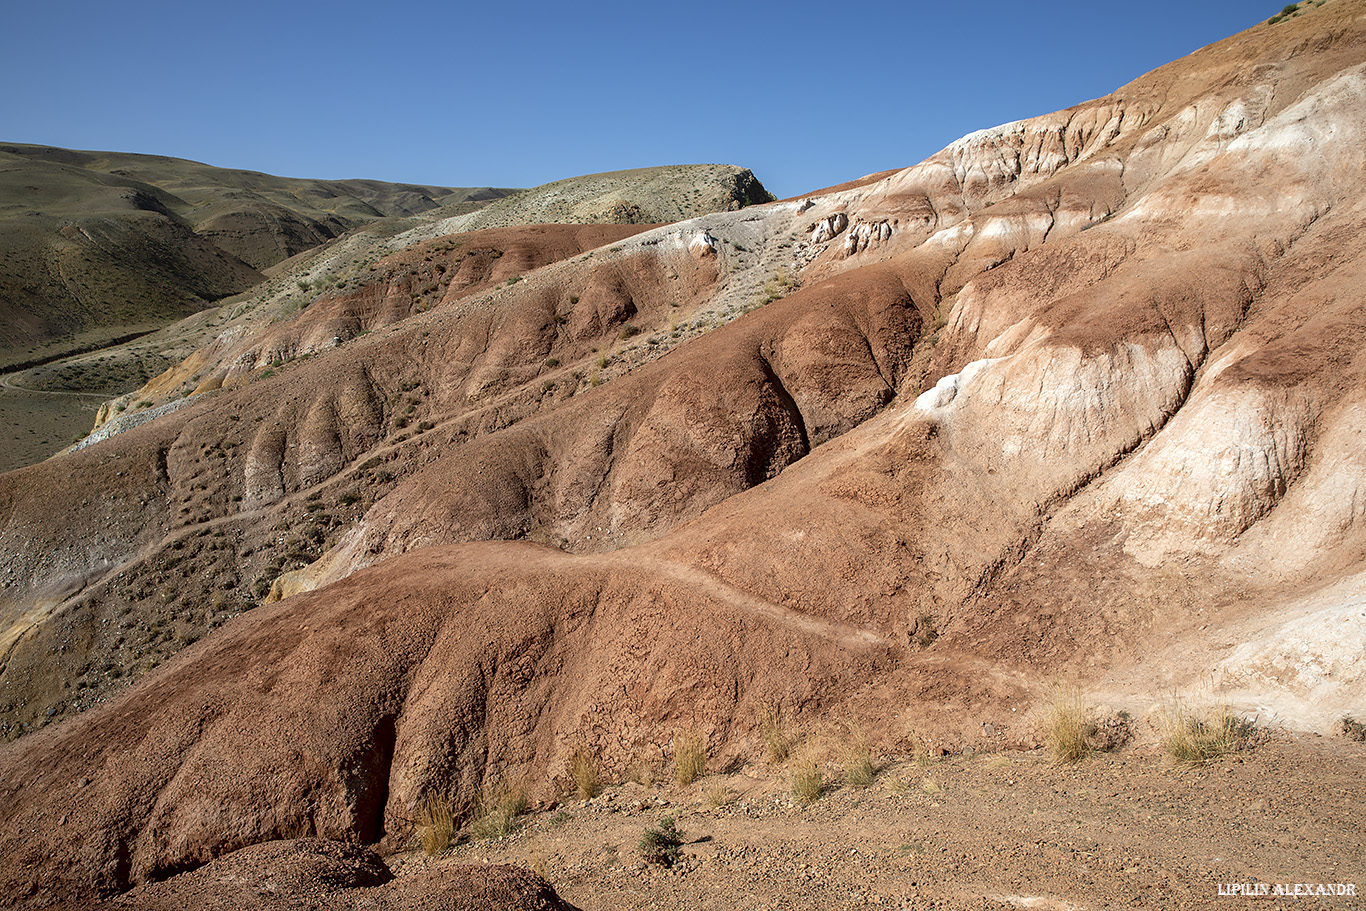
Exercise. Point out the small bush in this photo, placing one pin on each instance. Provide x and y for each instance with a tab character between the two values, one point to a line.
690	757
1198	734
583	768
661	845
924	634
435	823
775	738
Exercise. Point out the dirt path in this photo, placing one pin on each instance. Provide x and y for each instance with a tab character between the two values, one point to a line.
991	831
847	635
36	423
7	382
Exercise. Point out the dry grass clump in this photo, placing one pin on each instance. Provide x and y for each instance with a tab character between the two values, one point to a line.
775	737
808	781
435	823
583	768
496	815
859	771
690	757
1069	726
718	795
1199	732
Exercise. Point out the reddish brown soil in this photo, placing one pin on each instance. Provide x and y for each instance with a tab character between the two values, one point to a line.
574	513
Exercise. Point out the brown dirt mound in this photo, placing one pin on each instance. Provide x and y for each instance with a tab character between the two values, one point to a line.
315	873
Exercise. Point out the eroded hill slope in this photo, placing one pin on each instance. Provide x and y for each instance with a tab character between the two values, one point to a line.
1078	395
99	245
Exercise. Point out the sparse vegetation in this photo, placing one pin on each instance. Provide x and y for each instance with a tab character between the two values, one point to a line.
496	815
1194	733
583	769
1069	725
778	286
859	770
808	780
718	795
690	757
1352	729
435	823
775	737
924	633
661	845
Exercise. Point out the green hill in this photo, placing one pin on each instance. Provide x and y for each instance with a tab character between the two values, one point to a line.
95	246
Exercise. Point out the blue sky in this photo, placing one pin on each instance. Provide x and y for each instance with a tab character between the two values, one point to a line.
517	94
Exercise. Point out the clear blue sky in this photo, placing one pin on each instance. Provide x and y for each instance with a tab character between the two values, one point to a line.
503	93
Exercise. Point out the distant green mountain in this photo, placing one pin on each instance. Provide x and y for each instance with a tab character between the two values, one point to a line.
99	245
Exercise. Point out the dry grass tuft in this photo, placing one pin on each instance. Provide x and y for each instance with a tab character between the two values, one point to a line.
496	815
583	768
1069	725
435	823
690	757
718	795
775	738
859	771
644	772
1197	733
808	782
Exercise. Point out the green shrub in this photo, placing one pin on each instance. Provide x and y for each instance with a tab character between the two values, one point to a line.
661	845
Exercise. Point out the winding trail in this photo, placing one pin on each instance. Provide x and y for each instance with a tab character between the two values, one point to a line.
7	382
844	634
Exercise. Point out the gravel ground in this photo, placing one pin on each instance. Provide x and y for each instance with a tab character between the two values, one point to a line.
1005	830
